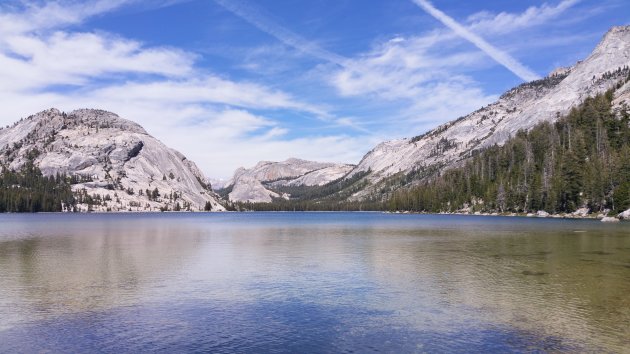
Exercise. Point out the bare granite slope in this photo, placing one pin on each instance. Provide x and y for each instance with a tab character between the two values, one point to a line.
116	159
249	185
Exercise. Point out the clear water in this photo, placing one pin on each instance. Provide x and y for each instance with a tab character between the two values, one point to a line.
312	282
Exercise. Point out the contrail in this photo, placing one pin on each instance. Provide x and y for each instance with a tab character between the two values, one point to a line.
257	18
498	55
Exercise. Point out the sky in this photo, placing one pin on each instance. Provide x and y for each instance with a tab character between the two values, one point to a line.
233	82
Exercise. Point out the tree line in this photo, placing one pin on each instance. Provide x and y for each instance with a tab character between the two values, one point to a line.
27	190
581	160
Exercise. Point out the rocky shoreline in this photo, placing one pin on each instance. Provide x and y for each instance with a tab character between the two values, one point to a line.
583	213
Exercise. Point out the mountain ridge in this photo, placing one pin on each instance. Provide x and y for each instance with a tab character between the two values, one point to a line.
395	163
519	108
113	156
257	183
117	162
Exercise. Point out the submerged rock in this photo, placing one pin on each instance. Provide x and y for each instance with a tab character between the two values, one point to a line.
529	272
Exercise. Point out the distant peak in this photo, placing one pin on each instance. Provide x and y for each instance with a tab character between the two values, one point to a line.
49	111
78	112
263	163
293	160
88	117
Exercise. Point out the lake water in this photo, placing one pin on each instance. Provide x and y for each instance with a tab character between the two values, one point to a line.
312	282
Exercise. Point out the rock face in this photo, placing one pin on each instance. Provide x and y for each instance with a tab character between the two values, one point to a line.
520	108
609	219
621	101
114	159
253	185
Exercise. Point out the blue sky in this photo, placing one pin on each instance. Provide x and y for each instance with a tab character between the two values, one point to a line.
231	82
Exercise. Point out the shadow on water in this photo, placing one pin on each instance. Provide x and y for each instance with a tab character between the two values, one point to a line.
599	253
529	272
260	327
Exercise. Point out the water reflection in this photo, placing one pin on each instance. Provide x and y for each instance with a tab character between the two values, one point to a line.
75	265
312	282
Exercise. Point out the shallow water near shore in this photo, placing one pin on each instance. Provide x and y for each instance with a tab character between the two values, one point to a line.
312	282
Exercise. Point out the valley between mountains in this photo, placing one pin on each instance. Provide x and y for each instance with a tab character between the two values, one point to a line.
558	145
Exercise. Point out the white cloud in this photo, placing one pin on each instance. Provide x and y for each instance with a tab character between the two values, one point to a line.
53	14
418	74
428	74
208	89
417	69
451	98
401	68
30	61
398	69
504	22
230	124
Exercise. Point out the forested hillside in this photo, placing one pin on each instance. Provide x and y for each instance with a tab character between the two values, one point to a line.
110	161
27	190
581	160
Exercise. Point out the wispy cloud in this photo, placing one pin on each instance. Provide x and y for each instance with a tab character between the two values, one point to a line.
399	69
263	22
505	22
498	55
36	55
414	68
421	74
54	14
206	89
37	61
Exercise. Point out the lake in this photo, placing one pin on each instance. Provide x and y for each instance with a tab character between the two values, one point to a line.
312	282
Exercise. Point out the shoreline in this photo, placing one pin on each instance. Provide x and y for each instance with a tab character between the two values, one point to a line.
589	216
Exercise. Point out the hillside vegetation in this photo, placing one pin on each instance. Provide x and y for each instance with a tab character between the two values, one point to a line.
27	190
332	196
581	160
